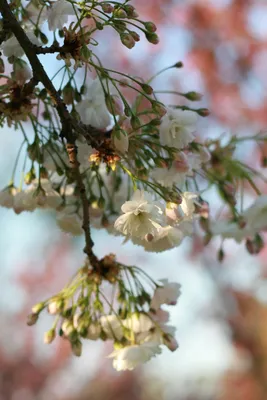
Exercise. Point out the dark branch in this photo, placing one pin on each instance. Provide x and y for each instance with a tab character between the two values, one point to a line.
70	127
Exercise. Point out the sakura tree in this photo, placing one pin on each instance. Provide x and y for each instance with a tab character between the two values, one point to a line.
107	152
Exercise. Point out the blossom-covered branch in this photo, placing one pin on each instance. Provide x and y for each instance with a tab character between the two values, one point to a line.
106	152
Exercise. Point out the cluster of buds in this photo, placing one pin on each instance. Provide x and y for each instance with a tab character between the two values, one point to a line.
134	317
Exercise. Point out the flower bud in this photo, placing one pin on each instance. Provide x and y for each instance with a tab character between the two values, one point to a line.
99	26
179	64
193	96
115	104
76	347
49	336
94	331
38	308
32	319
152	37
254	246
107	8
55	307
170	342
127	40
135	36
67	327
68	94
131	11
120	13
150	27
203	112
135	122
147	88
159	108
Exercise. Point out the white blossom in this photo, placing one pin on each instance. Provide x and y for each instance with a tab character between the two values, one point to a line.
7	198
129	357
138	322
58	14
177	127
70	223
141	216
188	204
21	73
166	294
168	177
35	13
256	215
11	46
254	220
159	315
24	201
121	143
112	326
161	334
165	238
93	110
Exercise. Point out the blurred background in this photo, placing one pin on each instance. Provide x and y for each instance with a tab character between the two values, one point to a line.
222	313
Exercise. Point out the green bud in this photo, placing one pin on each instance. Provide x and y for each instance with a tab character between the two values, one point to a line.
152	37
38	308
120	13
76	347
147	88
150	27
135	122
127	111
99	26
49	336
179	64
193	96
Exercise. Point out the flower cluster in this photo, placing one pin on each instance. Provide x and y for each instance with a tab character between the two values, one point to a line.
154	227
136	324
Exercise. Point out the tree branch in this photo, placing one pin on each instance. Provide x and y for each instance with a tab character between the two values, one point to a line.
38	70
70	127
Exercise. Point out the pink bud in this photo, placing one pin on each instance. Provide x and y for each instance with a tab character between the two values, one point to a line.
171	343
117	106
127	40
